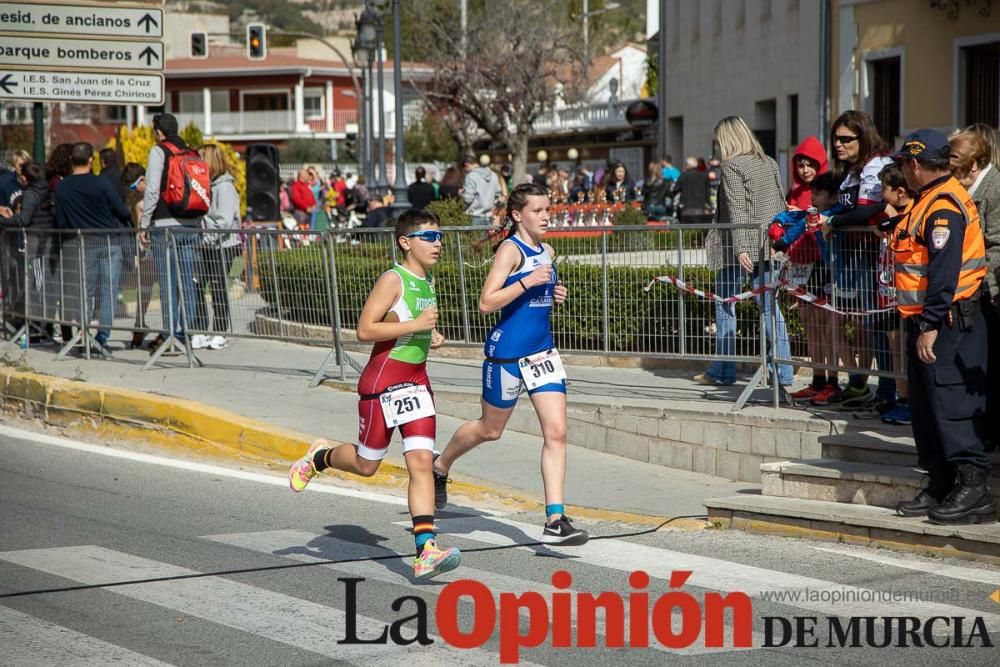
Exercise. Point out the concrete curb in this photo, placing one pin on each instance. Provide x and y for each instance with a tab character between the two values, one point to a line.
181	424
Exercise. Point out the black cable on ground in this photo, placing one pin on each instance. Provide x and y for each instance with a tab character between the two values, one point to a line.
291	566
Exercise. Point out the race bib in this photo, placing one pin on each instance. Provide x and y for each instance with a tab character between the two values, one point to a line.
541	369
798	274
406	405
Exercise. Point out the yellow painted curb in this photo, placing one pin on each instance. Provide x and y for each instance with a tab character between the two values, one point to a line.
181	424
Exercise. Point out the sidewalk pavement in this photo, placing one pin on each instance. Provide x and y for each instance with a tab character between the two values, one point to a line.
268	381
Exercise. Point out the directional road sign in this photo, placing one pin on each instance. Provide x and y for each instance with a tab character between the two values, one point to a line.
91	87
80	54
81	18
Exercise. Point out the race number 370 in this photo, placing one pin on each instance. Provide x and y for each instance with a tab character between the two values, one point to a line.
406	405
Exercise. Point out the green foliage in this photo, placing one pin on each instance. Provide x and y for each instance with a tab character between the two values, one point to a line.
429	140
281	14
629	216
451	212
305	150
652	84
192	135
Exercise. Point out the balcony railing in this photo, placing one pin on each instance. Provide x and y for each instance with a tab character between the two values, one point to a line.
264	122
583	117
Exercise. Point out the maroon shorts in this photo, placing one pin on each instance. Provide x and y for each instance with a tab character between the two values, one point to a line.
379	376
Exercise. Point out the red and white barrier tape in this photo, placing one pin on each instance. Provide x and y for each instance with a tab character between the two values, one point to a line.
795	290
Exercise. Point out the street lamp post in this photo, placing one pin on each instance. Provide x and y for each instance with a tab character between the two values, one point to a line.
402	201
364	47
383	177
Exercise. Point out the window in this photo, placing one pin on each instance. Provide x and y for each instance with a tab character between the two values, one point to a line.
265	102
764	123
113	115
191	101
313	104
884	96
675	138
793	119
17	113
981	84
76	113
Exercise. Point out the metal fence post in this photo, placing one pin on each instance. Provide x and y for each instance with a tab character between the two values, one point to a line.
466	332
605	315
681	312
277	290
337	353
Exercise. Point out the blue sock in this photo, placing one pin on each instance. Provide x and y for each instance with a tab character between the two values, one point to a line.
553	509
423	531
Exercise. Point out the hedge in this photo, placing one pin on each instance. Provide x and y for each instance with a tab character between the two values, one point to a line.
639	321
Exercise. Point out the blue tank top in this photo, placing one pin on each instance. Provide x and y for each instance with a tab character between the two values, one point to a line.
524	326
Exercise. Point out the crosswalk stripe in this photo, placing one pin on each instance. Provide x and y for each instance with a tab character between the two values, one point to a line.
713	573
308	547
926	567
306	625
27	640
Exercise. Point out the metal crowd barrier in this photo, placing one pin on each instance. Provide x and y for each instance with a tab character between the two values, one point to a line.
854	327
309	287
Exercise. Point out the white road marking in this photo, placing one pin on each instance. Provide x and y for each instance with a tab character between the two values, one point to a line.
926	567
28	640
309	547
300	623
714	573
220	471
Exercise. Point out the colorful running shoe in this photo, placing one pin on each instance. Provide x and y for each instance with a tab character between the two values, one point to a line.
805	394
434	560
898	415
440	487
303	470
852	397
825	395
561	531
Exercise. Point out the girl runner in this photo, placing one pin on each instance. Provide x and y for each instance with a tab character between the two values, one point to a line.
522	284
400	317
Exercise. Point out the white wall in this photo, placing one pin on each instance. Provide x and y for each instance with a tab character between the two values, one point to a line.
725	56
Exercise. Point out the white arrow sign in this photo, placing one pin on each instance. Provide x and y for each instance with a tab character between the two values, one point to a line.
97	20
80	53
90	87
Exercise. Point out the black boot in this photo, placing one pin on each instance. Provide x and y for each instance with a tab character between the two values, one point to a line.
939	485
969	502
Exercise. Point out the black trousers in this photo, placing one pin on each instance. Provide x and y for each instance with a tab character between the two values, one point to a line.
948	397
991	313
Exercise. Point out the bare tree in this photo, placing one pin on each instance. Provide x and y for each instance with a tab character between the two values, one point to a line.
516	52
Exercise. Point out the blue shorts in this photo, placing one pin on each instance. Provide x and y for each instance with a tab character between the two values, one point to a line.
502	384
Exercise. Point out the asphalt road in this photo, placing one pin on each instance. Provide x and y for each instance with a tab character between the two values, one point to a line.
110	555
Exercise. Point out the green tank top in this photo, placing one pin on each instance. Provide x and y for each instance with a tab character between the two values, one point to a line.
418	295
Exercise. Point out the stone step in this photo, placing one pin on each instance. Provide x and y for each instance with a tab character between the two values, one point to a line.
844	482
882	447
857	524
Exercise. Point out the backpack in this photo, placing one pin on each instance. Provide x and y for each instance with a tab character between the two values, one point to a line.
186	189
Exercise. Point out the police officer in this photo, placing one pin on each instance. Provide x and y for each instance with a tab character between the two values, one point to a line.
940	265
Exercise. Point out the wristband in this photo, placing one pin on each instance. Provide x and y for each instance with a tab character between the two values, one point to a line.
522	284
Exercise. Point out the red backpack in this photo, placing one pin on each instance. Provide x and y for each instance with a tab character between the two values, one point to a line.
186	189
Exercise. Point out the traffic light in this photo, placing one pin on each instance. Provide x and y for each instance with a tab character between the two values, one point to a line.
256	41
351	145
199	45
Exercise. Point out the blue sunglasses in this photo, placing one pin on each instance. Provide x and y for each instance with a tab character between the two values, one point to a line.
429	235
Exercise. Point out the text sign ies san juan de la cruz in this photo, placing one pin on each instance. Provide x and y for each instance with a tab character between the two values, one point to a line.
89	52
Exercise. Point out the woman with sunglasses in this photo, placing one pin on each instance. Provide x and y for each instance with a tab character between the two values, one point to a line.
522	284
860	154
400	317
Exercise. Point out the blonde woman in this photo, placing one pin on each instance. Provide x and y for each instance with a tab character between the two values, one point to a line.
750	194
217	250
